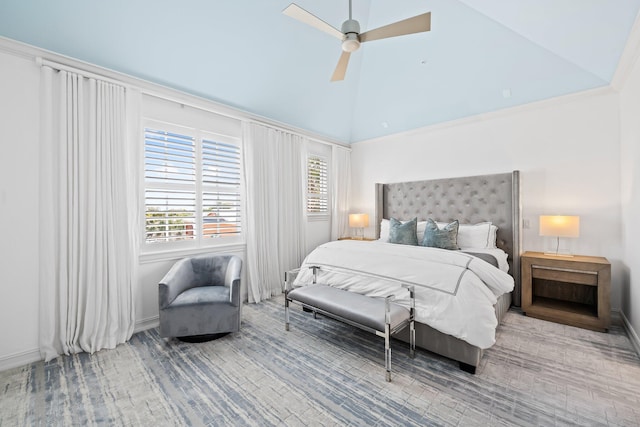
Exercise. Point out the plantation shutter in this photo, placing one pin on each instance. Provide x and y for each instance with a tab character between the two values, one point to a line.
170	178
221	202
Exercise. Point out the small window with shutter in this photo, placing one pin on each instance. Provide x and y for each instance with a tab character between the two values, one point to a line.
317	186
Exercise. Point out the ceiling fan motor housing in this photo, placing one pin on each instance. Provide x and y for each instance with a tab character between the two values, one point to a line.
351	30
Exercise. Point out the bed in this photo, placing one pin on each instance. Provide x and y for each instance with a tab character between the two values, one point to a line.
470	200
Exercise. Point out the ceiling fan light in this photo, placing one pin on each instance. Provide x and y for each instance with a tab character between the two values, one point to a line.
350	42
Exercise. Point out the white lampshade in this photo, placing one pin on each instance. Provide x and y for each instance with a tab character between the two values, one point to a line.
359	220
560	225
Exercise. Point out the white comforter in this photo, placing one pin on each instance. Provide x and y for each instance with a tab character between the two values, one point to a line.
455	292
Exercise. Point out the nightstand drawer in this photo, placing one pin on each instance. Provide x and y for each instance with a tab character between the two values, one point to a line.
589	278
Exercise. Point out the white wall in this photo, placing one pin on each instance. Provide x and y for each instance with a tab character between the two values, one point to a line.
567	150
630	157
19	89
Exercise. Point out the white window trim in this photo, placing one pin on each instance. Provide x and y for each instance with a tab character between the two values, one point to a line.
172	255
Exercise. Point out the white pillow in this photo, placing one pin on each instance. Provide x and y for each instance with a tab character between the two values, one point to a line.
493	237
384	230
477	236
422	226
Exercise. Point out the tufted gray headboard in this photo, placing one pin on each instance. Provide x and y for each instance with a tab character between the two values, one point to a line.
470	200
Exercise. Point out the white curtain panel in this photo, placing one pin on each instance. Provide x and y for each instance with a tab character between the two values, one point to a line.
275	226
88	208
340	194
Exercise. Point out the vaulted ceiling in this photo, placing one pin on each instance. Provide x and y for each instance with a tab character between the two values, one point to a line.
480	55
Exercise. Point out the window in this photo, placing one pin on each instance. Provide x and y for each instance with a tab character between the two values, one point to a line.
317	186
192	186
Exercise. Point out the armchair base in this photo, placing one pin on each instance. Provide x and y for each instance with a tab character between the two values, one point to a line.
202	338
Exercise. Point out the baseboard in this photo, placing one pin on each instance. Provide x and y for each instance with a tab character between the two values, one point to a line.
19	359
633	336
616	318
144	324
29	356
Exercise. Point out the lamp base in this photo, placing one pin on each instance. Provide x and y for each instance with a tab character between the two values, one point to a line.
557	251
359	234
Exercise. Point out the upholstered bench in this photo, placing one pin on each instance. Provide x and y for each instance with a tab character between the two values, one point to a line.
378	315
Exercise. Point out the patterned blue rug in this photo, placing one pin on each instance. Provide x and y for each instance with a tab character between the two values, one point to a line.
326	373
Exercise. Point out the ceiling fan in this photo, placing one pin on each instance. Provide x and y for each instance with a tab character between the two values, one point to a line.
351	36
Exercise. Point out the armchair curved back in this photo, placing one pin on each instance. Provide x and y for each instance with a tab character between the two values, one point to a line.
200	270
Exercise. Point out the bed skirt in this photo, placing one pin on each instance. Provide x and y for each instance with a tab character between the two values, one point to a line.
454	348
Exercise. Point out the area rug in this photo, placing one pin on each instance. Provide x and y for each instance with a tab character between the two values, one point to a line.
323	373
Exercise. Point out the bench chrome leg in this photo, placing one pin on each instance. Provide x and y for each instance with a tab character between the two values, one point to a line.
286	314
412	340
387	351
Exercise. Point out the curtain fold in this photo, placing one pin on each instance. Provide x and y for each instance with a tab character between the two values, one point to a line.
340	194
275	226
88	242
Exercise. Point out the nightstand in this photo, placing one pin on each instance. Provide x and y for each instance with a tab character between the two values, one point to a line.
570	290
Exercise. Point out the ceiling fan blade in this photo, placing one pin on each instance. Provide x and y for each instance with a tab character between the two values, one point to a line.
296	12
417	24
341	68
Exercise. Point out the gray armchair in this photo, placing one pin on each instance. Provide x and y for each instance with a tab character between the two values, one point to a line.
200	296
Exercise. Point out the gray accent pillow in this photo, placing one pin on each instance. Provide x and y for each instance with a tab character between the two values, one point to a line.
404	234
444	238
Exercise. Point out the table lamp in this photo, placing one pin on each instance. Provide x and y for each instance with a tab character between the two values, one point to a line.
559	226
359	221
